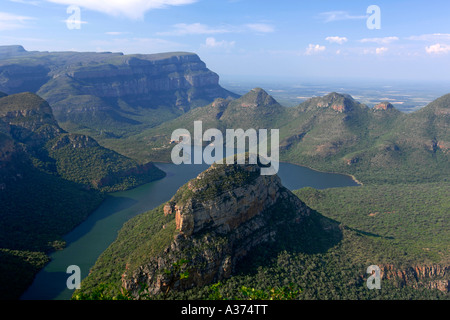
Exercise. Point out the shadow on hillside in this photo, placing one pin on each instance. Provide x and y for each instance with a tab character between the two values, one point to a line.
370	234
315	235
16	273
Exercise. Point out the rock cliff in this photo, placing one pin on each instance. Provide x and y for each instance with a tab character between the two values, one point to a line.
101	89
419	276
220	217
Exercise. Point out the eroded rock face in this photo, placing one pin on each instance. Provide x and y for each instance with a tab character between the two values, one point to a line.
230	207
220	216
419	276
383	106
174	79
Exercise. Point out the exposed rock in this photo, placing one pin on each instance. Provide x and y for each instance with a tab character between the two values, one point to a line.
176	80
420	276
220	216
76	141
338	102
383	106
257	97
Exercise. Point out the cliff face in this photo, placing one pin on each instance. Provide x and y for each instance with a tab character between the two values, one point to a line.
99	89
144	75
419	276
220	216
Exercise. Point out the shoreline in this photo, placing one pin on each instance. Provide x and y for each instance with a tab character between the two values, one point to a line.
296	164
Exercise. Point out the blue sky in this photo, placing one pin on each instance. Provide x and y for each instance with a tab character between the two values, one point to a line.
322	39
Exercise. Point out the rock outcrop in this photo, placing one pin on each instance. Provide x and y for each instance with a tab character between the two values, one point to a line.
383	106
220	216
338	102
419	276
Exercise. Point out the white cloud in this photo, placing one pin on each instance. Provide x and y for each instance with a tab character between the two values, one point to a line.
116	33
133	9
339	40
385	40
431	37
438	49
381	50
314	49
260	27
33	3
213	43
9	21
182	29
332	16
71	21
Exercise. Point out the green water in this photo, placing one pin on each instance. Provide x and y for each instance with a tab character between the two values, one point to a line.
87	241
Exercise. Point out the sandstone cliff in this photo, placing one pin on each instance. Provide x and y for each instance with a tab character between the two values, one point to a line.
419	276
107	90
220	216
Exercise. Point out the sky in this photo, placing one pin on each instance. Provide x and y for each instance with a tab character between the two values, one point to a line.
245	39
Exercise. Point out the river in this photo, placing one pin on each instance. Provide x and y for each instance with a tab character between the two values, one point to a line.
88	240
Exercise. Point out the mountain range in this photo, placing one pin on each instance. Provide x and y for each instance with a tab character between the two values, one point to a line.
111	94
75	126
332	133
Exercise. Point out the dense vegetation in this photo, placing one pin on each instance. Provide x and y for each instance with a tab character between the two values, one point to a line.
333	133
30	227
399	217
143	236
295	267
411	218
50	181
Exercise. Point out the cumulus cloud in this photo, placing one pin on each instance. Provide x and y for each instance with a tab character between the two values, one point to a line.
133	9
339	40
314	49
385	40
438	48
381	50
213	43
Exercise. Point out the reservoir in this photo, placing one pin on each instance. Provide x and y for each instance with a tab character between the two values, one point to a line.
88	240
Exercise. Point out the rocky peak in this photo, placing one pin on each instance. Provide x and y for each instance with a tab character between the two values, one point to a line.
336	101
220	216
28	117
255	98
385	105
76	141
222	198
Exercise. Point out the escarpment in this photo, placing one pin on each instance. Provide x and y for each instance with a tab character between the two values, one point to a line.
220	216
434	276
99	90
